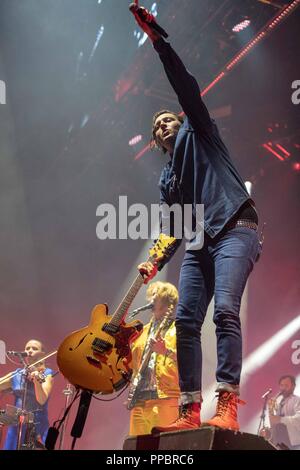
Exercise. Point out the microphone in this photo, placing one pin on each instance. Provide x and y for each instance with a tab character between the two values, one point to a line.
267	393
18	353
142	15
141	309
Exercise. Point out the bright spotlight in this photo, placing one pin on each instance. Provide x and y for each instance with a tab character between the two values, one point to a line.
241	26
135	140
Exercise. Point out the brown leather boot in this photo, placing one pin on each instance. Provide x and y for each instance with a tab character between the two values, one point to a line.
189	418
226	414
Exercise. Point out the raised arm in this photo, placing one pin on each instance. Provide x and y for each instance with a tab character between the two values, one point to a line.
182	81
184	84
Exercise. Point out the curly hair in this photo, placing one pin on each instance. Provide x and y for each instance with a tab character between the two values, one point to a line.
165	291
154	144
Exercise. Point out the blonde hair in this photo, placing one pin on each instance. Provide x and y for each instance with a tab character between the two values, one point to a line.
164	290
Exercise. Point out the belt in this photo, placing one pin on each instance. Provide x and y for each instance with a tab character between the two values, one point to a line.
242	223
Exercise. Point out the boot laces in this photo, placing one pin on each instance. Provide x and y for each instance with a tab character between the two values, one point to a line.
226	404
185	412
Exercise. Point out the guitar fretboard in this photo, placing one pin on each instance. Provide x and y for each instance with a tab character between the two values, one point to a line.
127	301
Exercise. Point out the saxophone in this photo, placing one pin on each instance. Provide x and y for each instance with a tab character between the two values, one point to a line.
273	410
273	406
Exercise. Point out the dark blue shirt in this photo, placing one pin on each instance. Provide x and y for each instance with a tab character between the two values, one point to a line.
201	170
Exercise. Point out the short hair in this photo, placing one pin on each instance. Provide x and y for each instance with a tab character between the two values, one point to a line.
37	341
165	291
154	142
287	376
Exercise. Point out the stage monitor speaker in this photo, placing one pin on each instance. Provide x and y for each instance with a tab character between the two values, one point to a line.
205	438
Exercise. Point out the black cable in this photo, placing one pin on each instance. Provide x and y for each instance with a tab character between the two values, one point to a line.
99	399
60	421
53	431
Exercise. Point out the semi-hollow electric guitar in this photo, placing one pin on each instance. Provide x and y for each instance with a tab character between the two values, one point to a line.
139	378
97	357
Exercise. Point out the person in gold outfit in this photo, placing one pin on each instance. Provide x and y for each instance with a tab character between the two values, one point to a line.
155	401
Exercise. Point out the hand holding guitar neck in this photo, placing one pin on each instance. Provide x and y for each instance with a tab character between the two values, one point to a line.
158	345
148	270
147	22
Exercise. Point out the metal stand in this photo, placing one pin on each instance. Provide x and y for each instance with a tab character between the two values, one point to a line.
68	392
262	423
21	418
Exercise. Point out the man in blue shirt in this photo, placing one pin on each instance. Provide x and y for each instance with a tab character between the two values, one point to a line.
39	382
200	171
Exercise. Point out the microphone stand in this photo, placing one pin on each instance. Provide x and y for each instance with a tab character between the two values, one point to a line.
21	417
263	415
68	392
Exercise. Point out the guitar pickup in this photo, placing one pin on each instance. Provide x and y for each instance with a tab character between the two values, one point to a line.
101	346
93	360
110	329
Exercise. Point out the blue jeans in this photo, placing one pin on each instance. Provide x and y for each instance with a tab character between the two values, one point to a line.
221	268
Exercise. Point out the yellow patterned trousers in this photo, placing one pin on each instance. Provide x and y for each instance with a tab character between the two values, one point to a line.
152	413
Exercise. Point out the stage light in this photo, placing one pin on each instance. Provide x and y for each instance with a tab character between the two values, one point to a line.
99	36
268	147
296	167
241	26
84	121
280	152
135	140
284	150
249	186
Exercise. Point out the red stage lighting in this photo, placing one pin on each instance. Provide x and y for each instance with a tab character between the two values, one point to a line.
296	167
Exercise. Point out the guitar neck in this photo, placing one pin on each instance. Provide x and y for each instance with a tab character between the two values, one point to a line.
147	356
122	309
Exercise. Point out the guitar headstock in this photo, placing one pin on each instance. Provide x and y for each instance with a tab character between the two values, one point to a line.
161	248
168	315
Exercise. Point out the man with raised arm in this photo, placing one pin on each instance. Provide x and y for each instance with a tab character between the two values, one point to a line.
200	171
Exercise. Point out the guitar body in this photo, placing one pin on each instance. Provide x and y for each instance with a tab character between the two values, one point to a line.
98	357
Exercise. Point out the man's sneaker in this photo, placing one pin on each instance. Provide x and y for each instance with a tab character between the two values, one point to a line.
226	414
189	418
